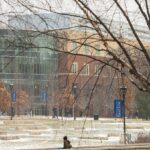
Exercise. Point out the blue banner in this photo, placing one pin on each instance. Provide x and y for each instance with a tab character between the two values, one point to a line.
13	96
118	108
44	95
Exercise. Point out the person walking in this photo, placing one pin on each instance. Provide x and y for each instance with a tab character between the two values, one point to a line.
55	112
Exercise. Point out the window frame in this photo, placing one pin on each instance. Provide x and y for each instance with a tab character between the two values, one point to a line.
87	69
73	70
97	49
97	69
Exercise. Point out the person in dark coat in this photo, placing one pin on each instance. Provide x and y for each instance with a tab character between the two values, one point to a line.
55	113
67	144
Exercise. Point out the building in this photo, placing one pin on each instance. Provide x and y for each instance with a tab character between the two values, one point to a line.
53	79
96	85
94	92
27	64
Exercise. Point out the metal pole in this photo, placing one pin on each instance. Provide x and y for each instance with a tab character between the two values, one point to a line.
11	111
46	97
74	116
75	96
11	89
124	119
74	90
73	111
46	107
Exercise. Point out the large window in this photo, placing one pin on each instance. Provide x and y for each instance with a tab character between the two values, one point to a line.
36	90
23	68
85	69
97	69
74	48
86	50
37	68
97	50
74	68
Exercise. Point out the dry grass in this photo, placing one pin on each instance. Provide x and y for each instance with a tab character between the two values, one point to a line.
142	138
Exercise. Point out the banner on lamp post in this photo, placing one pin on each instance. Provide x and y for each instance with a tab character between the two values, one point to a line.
13	96
118	108
44	95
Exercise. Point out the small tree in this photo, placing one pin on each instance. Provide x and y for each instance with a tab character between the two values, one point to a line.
4	98
22	100
143	138
143	104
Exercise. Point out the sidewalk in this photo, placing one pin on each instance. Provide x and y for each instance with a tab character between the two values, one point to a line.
144	146
35	133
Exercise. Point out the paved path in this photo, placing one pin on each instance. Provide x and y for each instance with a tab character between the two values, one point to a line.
45	133
144	146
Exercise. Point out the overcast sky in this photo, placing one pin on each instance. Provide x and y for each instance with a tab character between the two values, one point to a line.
66	5
104	8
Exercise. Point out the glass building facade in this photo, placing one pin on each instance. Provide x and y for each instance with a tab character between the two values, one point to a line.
27	61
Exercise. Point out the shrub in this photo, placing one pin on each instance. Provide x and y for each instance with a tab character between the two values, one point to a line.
143	138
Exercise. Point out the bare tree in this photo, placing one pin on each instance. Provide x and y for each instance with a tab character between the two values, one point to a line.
124	44
127	49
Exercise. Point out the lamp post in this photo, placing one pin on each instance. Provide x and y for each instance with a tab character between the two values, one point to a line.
11	91
123	90
45	98
74	88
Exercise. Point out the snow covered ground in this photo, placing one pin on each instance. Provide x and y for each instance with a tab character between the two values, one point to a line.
41	132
